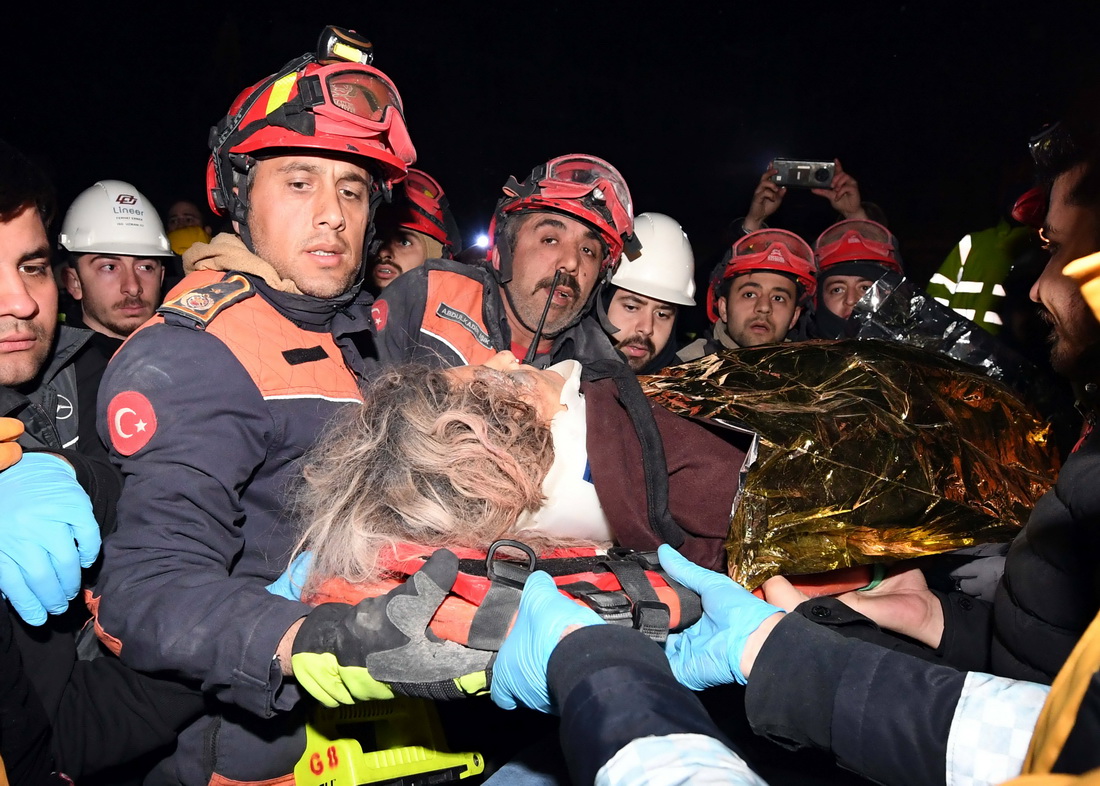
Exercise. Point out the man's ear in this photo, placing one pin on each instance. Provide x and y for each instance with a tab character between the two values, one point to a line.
795	316
722	308
72	283
496	257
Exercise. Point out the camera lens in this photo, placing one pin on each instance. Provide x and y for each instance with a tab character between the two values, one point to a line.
821	175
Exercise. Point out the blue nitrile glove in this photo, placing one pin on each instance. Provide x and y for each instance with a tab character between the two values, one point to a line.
45	511
290	584
709	652
519	672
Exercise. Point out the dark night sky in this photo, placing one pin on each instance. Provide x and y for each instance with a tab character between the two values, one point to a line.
925	103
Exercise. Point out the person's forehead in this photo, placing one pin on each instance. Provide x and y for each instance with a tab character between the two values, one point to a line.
533	221
846	280
763	280
124	259
340	167
622	295
1061	213
23	237
184	209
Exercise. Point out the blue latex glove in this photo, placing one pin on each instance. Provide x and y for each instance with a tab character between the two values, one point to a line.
519	672
709	652
45	511
290	584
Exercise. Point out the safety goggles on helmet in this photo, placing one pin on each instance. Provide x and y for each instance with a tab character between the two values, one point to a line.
857	240
582	186
346	108
766	251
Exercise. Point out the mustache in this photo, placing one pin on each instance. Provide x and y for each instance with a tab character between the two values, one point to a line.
567	280
642	342
10	326
131	303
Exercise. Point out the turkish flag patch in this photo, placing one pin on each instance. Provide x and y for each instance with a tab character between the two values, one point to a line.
380	312
132	422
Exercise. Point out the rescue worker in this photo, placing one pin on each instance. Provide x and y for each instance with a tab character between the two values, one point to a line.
117	250
416	226
757	293
641	302
57	713
851	256
553	239
209	406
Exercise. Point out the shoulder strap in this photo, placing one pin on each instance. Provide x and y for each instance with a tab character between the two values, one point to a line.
654	466
197	307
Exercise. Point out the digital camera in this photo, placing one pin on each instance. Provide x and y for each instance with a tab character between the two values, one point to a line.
803	174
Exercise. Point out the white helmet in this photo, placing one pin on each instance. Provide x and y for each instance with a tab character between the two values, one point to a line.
113	217
665	270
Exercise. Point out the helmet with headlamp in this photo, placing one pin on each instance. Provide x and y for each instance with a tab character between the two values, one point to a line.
329	102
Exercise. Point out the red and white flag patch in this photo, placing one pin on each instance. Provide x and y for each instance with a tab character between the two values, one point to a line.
132	422
380	312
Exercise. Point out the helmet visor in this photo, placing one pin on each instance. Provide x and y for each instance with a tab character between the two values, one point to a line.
357	96
578	176
868	240
765	241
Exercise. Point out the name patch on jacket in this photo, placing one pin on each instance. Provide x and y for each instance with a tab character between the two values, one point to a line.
202	304
297	357
454	315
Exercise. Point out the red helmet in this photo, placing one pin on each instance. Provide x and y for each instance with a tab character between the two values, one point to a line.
340	107
767	251
422	207
855	245
582	186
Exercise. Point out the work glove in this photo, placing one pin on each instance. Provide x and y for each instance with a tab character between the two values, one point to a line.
47	534
545	615
382	646
709	652
10	452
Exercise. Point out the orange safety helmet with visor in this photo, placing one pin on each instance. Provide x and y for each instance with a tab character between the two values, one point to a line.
423	207
581	186
331	101
765	251
857	247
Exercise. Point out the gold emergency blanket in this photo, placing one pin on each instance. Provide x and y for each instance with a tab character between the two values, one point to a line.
869	451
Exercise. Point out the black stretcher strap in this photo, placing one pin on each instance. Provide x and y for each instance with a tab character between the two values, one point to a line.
654	466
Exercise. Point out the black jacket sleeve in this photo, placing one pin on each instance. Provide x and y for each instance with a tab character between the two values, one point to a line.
102	713
614	685
883	714
24	727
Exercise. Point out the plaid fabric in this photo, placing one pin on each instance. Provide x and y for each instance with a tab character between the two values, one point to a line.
676	759
991	729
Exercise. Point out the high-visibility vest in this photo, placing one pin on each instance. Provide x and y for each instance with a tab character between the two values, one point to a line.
971	279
